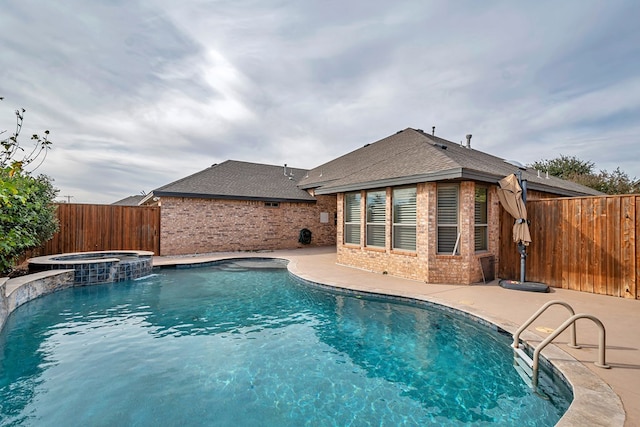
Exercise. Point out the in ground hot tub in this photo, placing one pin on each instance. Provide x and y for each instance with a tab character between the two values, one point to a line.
97	267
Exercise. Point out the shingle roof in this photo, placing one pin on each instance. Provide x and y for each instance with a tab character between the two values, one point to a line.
412	156
240	180
129	201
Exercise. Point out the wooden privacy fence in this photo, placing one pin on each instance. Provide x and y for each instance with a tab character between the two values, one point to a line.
589	244
104	227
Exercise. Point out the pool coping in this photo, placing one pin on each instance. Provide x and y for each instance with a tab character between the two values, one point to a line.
51	259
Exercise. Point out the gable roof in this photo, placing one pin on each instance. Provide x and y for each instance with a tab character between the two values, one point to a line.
412	156
130	201
239	180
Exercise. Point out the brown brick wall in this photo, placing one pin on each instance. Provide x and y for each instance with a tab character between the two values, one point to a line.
425	264
190	225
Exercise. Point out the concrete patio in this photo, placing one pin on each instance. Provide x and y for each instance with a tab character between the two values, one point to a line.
594	403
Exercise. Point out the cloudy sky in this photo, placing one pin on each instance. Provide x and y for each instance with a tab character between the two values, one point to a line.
139	93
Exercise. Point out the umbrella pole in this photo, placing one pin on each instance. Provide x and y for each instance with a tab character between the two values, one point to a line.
521	247
523	255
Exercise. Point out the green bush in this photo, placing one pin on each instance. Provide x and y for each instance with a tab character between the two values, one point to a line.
27	215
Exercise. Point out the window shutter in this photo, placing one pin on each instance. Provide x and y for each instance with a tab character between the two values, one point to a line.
481	243
376	216
480	213
352	233
481	220
375	235
376	206
447	218
404	237
448	205
404	218
352	207
352	218
404	206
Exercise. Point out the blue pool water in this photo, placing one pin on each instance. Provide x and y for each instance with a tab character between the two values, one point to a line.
231	346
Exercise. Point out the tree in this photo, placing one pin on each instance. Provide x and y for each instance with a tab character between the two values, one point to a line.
27	212
564	167
616	182
582	172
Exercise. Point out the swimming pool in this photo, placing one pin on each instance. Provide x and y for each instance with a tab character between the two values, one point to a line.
234	345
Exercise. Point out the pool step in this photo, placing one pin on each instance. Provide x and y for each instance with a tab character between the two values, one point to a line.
523	365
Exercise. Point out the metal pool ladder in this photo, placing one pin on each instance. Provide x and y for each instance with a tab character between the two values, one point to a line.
530	365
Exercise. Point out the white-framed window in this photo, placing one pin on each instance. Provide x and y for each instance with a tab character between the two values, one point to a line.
404	218
352	218
376	216
447	219
481	228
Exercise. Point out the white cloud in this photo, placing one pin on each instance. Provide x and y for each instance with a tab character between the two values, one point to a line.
138	94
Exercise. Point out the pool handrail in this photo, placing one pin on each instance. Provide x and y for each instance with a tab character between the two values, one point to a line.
572	343
534	361
601	363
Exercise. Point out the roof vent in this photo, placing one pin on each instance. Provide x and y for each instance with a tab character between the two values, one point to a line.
444	147
468	140
285	169
433	130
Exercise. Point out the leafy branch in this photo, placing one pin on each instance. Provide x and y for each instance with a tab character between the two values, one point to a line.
27	213
11	149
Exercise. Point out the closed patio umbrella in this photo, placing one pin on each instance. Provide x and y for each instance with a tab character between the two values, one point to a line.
511	196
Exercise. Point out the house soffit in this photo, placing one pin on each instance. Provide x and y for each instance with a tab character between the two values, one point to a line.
228	197
443	176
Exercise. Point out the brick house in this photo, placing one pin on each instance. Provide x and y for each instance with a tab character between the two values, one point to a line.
411	205
241	206
420	207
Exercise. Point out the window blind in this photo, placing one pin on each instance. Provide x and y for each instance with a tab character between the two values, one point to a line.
404	218
352	218
447	218
481	221
376	216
